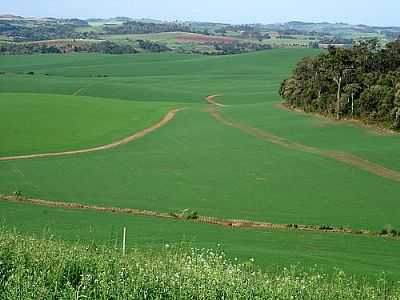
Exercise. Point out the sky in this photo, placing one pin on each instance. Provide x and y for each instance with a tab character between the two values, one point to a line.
370	12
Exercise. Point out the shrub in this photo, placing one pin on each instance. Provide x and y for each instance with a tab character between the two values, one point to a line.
187	214
293	226
326	227
388	229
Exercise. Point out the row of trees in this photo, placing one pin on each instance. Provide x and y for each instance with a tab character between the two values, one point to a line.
362	82
135	27
152	46
107	47
237	48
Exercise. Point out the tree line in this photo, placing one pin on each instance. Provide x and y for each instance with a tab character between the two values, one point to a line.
362	82
238	47
20	31
106	47
135	27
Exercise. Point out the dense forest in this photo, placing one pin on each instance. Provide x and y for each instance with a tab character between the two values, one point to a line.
20	30
361	83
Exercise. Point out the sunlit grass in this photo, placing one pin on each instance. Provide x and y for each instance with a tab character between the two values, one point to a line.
43	269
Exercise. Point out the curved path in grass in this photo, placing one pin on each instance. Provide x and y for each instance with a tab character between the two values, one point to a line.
167	118
344	157
211	100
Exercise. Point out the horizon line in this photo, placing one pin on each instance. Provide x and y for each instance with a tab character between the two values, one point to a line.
200	21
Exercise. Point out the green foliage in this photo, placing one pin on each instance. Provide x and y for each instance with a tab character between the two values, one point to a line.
43	269
389	230
326	227
368	77
66	46
237	47
22	30
153	46
187	213
133	27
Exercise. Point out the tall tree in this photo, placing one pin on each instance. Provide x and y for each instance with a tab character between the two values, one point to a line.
352	89
366	75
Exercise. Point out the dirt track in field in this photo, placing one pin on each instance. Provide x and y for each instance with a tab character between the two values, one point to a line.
343	157
78	92
211	100
167	118
200	219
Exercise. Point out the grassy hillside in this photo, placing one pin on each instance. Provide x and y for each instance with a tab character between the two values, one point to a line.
276	170
248	78
37	123
368	143
57	270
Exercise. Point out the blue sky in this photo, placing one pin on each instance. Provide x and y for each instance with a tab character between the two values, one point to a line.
372	12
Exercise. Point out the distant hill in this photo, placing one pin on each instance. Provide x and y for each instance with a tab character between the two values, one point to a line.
10	17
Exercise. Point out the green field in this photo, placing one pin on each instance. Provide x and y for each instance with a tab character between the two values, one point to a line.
195	161
359	255
71	122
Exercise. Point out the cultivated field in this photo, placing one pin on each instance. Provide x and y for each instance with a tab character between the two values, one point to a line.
237	156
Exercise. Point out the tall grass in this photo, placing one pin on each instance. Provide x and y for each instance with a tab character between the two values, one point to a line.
45	269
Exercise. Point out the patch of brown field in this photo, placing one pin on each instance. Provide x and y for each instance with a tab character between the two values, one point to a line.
193	37
200	219
343	157
167	118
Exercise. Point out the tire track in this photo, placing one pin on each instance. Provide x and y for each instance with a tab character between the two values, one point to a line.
76	93
246	224
167	118
340	156
210	100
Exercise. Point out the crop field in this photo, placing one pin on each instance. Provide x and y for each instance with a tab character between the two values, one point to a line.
237	155
71	122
